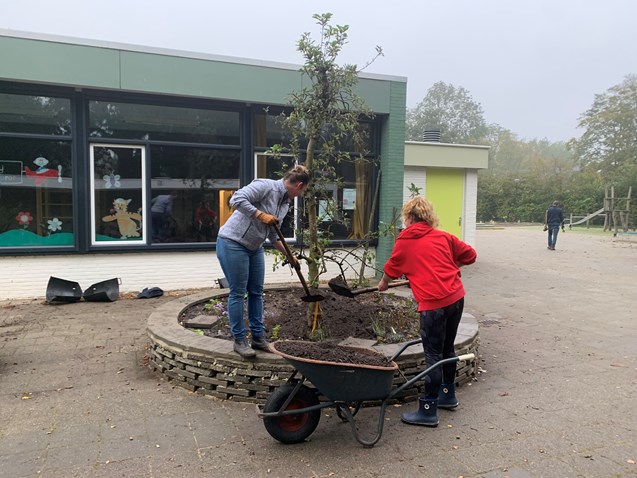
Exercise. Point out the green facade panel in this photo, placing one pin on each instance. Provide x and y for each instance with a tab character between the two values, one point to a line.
58	63
163	72
208	79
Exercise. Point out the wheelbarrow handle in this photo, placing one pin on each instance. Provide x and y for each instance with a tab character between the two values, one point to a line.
466	357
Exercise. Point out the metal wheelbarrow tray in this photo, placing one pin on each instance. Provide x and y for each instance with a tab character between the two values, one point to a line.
292	412
62	291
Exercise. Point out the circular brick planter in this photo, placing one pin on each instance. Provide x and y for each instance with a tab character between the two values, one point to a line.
209	366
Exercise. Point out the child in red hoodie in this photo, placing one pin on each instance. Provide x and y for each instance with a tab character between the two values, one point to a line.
431	260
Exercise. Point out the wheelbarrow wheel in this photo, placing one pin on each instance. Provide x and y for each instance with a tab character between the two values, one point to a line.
296	427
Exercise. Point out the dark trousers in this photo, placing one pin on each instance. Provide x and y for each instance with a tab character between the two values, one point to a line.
438	330
158	220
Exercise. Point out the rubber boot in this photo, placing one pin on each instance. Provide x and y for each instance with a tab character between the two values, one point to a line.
447	396
241	347
260	343
426	415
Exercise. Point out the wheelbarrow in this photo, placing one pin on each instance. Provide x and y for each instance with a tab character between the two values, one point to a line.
292	412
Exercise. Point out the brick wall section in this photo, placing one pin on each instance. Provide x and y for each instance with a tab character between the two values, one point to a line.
209	366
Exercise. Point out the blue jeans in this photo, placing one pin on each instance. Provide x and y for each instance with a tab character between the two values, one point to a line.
245	271
438	329
553	230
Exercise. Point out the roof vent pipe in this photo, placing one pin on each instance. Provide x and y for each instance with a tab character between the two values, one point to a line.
431	135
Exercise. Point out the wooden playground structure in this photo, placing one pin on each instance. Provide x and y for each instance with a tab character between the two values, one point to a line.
616	212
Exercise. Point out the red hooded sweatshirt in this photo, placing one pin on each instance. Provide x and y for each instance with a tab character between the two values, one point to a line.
430	259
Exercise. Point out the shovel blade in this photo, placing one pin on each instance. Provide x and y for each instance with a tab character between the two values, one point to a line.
312	298
339	286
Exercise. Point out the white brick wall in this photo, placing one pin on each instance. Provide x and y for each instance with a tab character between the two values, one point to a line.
417	176
26	277
470	206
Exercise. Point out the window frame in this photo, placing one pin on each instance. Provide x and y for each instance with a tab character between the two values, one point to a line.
144	196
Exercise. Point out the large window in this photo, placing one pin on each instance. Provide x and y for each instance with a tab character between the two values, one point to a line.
353	190
162	123
147	172
193	157
42	115
36	200
190	189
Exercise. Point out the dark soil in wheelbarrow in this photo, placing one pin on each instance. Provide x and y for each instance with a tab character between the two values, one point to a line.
330	352
385	318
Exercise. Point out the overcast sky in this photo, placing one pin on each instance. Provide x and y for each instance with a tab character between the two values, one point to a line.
535	66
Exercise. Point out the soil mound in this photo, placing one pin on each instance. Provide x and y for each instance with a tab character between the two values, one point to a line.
386	318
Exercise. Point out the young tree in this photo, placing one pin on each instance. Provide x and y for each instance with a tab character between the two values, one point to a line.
453	110
324	123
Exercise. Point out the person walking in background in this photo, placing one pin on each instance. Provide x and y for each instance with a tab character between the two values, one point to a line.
554	218
431	260
161	208
257	206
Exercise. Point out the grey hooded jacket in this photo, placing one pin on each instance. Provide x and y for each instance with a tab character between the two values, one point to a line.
267	195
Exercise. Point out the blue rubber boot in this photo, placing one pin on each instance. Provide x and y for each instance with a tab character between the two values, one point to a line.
427	414
447	396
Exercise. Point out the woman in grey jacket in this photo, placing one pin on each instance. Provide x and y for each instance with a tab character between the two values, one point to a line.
257	206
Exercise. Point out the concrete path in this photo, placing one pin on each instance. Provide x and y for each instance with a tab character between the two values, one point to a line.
557	396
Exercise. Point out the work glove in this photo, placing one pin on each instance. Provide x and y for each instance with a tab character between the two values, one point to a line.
266	218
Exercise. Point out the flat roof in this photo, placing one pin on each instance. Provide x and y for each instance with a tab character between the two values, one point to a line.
449	145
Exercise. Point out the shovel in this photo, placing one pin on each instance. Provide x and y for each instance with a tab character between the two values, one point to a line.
307	297
340	287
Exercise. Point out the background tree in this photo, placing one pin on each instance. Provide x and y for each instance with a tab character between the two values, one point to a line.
525	176
453	110
607	150
609	141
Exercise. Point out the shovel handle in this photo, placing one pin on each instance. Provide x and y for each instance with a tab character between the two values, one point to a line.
288	253
364	290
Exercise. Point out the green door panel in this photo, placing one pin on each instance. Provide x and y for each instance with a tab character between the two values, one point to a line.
445	189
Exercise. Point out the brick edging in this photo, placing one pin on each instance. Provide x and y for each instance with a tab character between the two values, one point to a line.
209	366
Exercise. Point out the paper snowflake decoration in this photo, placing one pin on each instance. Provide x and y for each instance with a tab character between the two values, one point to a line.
55	224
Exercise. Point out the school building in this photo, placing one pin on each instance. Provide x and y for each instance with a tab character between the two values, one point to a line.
94	134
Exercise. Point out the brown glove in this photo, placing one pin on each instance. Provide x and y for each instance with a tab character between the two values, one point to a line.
266	218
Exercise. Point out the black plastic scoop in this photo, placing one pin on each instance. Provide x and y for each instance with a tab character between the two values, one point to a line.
307	297
340	287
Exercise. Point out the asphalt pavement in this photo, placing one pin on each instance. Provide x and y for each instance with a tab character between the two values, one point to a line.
555	396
